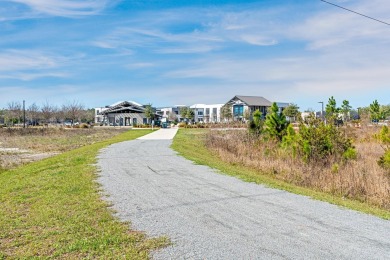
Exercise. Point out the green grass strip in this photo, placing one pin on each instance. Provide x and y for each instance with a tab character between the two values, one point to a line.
190	144
53	209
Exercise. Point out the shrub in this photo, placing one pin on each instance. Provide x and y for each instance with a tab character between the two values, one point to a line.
256	124
384	139
384	160
384	135
350	154
290	140
182	124
323	143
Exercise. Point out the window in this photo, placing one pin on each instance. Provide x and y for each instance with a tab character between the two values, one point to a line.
207	111
238	110
200	113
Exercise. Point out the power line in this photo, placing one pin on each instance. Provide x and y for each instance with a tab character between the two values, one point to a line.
349	10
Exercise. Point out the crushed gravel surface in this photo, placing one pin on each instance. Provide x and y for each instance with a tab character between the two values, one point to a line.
208	215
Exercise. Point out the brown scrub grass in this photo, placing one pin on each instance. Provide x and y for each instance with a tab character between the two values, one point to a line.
37	143
357	184
53	209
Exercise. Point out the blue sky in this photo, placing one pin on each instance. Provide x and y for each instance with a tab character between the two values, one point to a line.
170	52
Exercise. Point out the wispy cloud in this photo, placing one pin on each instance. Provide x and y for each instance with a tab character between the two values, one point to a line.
66	8
29	65
196	35
140	65
12	60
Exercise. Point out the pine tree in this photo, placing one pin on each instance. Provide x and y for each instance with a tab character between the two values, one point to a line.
276	123
374	110
256	124
331	108
346	109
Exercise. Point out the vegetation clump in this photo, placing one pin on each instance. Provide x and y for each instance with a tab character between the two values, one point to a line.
318	153
384	138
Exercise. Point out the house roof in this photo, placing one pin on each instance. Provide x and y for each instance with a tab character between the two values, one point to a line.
124	107
252	101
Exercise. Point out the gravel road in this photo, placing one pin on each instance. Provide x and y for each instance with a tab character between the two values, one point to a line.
213	216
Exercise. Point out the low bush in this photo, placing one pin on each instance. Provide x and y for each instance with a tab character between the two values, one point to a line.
384	160
323	143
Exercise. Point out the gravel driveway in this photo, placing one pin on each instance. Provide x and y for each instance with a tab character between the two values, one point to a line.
212	216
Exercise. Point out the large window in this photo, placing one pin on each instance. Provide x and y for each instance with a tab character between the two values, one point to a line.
238	110
207	111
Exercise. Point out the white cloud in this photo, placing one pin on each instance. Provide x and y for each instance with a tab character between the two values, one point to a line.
66	8
29	65
12	60
140	65
258	40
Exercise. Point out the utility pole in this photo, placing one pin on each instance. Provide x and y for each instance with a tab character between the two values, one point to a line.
322	110
24	114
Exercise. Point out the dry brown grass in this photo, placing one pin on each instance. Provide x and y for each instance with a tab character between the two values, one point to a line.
19	146
361	179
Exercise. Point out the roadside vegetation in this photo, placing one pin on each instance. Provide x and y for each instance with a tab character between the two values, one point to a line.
53	209
343	163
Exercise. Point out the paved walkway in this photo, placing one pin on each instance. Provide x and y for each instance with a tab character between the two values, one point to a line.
162	134
213	216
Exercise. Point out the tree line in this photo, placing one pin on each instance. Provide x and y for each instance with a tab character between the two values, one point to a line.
45	113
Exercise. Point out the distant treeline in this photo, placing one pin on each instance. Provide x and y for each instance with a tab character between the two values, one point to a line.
46	113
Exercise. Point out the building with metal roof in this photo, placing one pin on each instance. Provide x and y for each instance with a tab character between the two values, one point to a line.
242	105
123	113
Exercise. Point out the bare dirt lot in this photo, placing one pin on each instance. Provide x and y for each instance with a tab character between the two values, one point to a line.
19	146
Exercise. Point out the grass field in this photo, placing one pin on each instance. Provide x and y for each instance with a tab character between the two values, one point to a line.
53	209
19	146
190	144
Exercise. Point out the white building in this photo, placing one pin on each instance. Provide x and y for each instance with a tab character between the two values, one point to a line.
207	113
170	113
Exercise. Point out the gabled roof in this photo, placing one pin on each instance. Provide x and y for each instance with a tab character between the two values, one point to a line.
124	107
252	101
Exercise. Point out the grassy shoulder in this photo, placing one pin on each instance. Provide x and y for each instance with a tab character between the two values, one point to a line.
189	144
52	208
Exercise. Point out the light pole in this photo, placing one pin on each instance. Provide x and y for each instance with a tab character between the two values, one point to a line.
24	114
322	109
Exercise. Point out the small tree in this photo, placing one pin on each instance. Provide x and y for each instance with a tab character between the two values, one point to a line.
384	112
47	111
384	139
276	123
88	115
331	108
247	114
149	113
73	110
183	112
374	110
190	114
33	113
256	124
172	117
292	111
346	109
14	112
226	112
